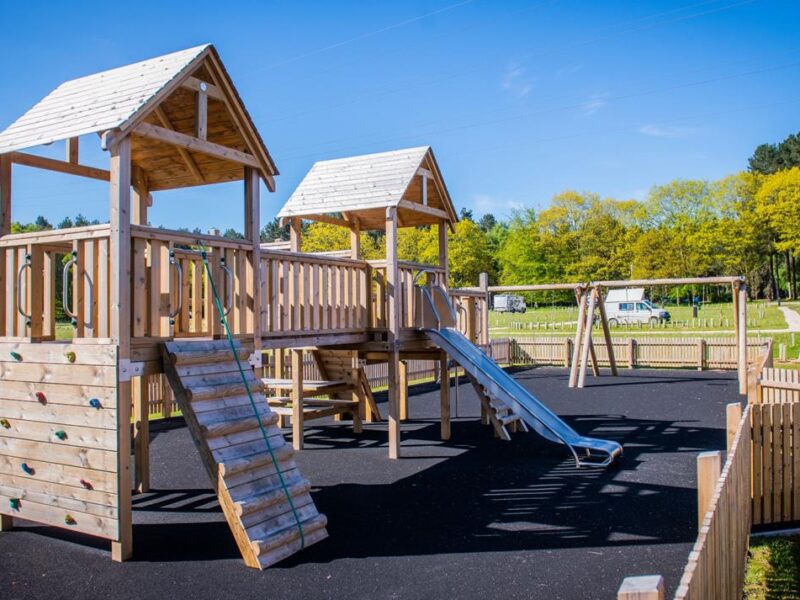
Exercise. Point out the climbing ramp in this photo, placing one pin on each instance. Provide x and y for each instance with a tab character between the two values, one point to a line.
261	491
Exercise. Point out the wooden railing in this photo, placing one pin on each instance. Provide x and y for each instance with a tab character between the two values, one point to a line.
32	264
306	294
407	293
172	291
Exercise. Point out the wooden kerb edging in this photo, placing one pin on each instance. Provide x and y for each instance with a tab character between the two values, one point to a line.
208	387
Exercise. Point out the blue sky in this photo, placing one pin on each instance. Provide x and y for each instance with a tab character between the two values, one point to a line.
520	100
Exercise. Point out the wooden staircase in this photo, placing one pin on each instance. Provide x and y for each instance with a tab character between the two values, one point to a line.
213	398
498	414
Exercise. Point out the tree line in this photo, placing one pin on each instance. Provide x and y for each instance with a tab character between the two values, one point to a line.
745	224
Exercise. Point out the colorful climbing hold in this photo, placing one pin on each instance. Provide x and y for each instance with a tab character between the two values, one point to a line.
62	435
70	356
5	423
70	520
16	356
14	503
87	484
41	397
95	403
27	469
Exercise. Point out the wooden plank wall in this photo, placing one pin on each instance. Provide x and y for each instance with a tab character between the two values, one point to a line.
58	435
716	563
775	410
701	353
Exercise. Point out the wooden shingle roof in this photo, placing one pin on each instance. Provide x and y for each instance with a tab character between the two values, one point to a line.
364	186
156	91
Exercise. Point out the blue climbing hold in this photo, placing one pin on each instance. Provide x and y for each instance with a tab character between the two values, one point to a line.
95	403
27	469
16	356
62	435
14	503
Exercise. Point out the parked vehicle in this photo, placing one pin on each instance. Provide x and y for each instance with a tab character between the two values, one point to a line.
509	303
630	306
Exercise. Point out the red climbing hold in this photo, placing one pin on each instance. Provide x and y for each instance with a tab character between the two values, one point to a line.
87	484
41	397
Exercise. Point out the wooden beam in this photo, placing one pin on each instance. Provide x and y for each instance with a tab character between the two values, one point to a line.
576	347
60	166
606	333
425	210
194	144
587	338
120	326
185	156
646	587
320	218
424	189
499	289
252	231
73	150
195	84
679	281
201	113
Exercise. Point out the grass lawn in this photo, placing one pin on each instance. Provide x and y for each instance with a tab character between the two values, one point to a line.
712	317
773	568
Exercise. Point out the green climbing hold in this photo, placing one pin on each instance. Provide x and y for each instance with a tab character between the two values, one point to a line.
16	356
70	356
5	423
14	503
62	435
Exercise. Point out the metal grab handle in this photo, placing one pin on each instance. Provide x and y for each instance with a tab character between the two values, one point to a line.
26	265
179	270
65	288
420	273
229	294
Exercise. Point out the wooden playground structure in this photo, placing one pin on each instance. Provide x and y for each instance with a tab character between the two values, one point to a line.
205	311
145	301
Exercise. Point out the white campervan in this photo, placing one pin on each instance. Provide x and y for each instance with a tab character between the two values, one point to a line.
630	306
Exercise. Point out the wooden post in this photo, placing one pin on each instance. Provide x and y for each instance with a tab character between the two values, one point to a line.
6	522
742	339
587	338
709	466
606	333
252	226
297	399
5	229
576	347
753	386
295	234
403	383
73	150
483	280
444	395
733	416
355	240
701	355
443	250
201	112
141	199
646	587
393	331
120	326
141	433
278	363
631	353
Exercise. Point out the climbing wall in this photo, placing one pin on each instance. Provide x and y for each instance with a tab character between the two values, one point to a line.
261	491
58	435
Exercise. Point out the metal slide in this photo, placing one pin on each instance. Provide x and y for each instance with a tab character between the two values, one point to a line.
500	386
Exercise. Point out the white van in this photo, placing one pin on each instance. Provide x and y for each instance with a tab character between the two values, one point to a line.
509	303
630	306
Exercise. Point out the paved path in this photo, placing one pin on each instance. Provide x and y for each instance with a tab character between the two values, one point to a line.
792	318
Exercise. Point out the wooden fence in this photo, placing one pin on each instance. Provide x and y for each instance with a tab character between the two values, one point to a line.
672	353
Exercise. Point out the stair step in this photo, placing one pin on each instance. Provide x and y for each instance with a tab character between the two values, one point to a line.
231	388
292	547
512	418
288	531
228	427
211	353
271	497
237	465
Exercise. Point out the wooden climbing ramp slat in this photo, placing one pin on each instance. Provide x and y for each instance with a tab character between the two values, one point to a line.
269	509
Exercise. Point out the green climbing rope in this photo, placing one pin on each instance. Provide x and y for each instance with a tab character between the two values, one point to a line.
218	304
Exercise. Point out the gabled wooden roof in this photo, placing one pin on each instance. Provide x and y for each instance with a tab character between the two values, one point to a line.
363	187
159	91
